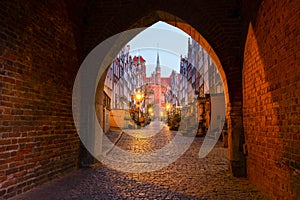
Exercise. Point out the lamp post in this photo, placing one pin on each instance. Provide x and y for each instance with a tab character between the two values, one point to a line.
168	107
138	98
150	112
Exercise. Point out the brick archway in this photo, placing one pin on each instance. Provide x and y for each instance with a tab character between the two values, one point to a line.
220	24
44	42
234	113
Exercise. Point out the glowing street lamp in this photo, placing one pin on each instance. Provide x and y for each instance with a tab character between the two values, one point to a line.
150	110
161	113
138	96
168	107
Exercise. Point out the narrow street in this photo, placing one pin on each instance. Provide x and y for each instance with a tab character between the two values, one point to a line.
188	178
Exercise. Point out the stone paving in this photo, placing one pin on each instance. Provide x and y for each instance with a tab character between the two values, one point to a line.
188	178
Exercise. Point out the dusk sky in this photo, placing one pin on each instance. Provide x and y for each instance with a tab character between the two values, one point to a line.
170	41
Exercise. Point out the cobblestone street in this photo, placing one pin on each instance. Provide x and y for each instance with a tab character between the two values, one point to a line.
188	178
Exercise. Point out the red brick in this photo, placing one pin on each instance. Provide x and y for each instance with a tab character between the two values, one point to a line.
5	141
42	77
12	147
277	70
9	80
29	95
4	166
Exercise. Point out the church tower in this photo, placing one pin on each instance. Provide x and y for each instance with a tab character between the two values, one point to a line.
157	70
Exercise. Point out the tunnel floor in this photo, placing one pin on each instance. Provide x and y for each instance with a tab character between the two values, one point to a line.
189	177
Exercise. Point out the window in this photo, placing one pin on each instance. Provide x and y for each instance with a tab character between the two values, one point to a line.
106	102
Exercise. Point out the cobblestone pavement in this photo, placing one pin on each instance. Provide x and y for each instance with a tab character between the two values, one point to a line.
188	178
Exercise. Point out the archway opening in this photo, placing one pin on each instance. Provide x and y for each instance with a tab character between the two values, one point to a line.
187	28
129	96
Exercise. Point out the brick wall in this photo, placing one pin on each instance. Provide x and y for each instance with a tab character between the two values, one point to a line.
221	34
271	91
37	68
38	64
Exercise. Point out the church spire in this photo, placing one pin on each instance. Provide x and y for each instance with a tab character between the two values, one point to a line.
157	62
157	70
